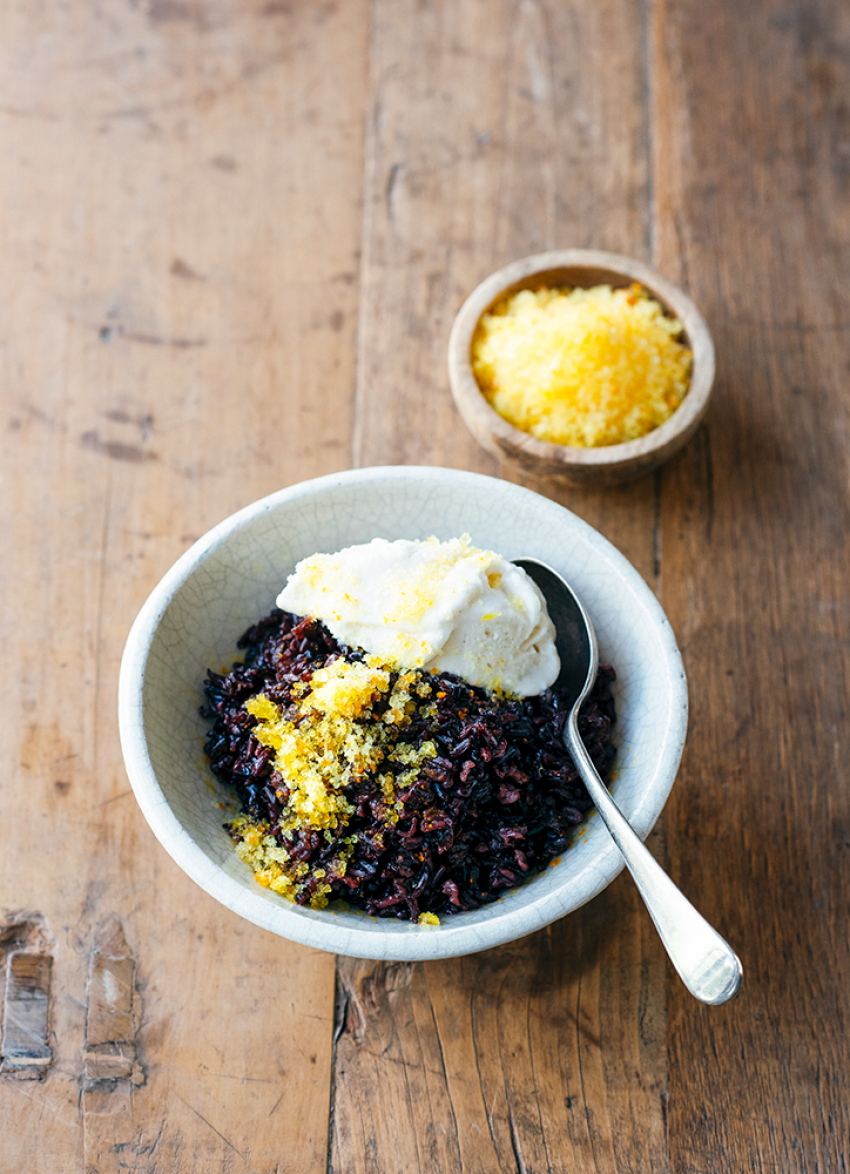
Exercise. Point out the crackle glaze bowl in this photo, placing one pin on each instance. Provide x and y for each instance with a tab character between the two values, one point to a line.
232	576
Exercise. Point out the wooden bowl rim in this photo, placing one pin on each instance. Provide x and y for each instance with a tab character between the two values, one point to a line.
565	266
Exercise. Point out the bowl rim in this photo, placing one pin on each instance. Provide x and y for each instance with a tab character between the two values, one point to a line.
480	416
453	938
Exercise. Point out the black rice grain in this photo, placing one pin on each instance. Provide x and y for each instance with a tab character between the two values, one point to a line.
495	805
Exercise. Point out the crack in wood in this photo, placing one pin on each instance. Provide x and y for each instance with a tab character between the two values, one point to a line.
389	191
656	528
515	1145
340	1019
341	999
351	1017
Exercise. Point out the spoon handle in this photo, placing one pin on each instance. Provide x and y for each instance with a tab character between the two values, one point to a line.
709	968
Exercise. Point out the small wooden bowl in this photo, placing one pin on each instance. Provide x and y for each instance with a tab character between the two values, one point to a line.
609	465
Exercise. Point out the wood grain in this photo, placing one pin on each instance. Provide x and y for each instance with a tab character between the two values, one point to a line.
486	145
494	131
180	231
752	175
234	238
547	1054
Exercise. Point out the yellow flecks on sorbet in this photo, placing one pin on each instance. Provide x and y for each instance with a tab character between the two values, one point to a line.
418	604
329	737
412	598
408	598
588	367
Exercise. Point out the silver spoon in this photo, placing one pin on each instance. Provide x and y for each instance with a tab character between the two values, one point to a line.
709	968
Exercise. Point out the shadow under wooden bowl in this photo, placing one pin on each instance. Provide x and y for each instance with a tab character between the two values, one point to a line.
611	464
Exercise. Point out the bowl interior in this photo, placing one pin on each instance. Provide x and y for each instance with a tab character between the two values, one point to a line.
232	576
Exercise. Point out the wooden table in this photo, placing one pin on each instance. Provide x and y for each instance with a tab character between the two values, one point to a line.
233	237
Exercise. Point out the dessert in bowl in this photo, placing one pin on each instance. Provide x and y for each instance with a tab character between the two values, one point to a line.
395	731
231	577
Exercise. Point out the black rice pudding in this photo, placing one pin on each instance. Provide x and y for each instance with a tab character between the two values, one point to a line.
407	794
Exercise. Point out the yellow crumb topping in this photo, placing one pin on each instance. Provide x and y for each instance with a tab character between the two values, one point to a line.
429	919
588	367
347	690
347	722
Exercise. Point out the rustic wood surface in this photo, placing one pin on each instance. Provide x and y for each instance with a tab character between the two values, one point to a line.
233	238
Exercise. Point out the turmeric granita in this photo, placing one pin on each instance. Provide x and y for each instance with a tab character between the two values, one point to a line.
408	794
582	367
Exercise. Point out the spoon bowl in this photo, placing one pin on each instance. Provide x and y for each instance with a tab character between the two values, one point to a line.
707	965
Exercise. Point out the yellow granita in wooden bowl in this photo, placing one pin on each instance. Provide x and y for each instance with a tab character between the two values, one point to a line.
582	367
